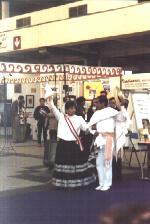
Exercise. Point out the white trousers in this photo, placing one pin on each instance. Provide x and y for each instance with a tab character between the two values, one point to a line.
104	173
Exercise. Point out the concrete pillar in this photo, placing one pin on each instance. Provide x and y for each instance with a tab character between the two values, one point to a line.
5	8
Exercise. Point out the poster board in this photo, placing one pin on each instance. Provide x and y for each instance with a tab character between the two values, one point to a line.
141	106
92	89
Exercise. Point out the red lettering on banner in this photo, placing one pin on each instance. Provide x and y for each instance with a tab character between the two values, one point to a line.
79	77
11	81
61	78
74	77
84	77
73	72
83	70
69	77
51	78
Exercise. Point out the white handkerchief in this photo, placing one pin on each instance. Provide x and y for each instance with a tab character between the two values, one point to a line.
48	91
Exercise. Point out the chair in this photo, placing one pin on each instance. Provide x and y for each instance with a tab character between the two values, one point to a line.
135	148
133	137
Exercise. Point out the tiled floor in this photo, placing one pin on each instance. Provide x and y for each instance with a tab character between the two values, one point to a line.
26	194
23	168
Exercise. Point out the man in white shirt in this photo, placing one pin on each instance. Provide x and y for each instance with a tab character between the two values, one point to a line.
107	120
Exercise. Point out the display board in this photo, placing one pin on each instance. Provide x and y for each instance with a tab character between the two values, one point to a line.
141	106
92	89
136	81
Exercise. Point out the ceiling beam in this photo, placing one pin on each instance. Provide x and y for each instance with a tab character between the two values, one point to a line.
124	52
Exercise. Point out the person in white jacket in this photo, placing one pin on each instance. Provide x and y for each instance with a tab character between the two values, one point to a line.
110	136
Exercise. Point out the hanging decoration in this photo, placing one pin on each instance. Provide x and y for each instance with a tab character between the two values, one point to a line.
37	73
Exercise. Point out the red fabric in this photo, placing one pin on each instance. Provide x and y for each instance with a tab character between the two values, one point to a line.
73	131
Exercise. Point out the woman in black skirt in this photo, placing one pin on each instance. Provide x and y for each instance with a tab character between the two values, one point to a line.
71	167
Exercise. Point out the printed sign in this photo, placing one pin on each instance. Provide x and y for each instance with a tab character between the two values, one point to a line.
136	81
141	103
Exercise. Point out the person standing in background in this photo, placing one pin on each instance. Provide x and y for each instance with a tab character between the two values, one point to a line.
92	109
40	114
103	93
18	119
80	111
113	104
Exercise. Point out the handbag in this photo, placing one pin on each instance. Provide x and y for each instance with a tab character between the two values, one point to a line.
73	131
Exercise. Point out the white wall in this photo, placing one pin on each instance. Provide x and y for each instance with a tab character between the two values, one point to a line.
109	22
62	12
26	90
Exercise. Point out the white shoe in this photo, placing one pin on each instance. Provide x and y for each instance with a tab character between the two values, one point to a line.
105	188
98	188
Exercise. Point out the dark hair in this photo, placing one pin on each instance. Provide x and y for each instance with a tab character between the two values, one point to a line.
103	99
20	97
70	104
80	100
65	98
126	103
139	214
103	91
92	101
145	120
112	98
42	99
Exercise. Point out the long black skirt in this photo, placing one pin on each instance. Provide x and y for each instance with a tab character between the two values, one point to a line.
71	168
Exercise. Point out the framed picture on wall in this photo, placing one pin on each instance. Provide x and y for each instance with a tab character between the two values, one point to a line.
17	88
29	101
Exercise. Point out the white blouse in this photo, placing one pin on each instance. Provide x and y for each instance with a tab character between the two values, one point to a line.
63	129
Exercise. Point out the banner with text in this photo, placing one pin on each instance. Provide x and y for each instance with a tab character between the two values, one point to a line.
136	81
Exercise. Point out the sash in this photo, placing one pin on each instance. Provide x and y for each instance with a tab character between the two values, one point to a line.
73	131
108	146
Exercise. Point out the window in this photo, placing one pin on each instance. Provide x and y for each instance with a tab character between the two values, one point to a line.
82	10
78	11
19	23
27	21
73	12
23	22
